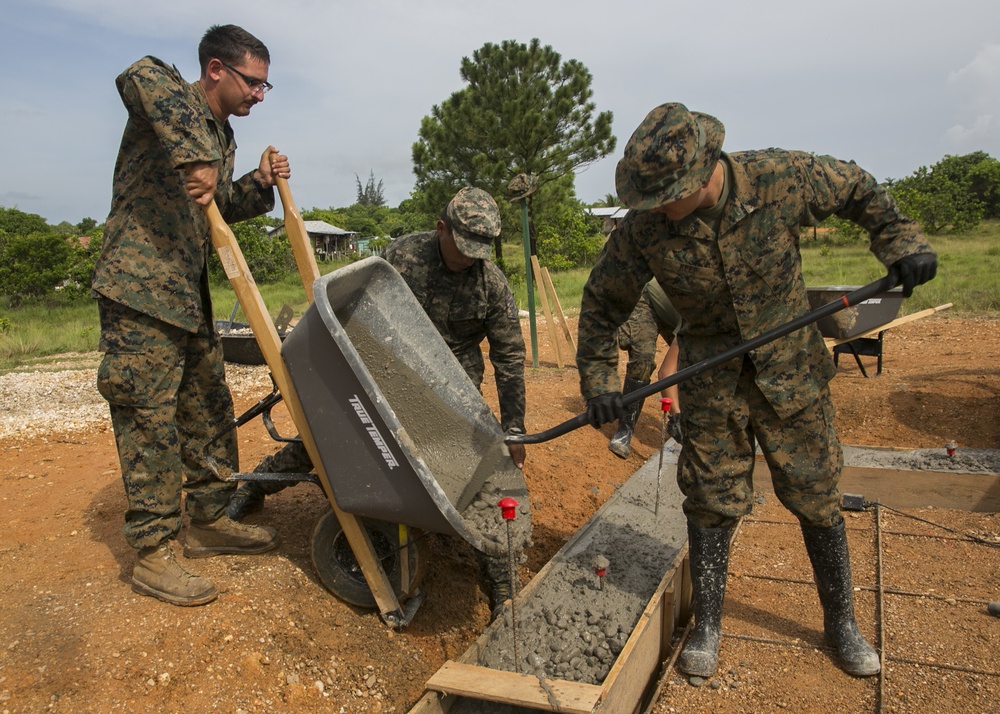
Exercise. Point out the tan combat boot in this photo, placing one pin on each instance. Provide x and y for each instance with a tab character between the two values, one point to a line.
227	537
158	574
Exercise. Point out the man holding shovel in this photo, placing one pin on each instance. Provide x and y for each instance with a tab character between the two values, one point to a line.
720	234
162	372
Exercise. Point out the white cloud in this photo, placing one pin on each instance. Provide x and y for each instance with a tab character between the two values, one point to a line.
977	104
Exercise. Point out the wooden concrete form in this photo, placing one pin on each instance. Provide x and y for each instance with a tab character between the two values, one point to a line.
631	683
900	488
631	679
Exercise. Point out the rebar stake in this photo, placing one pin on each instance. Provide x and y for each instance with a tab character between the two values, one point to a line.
508	509
665	404
600	570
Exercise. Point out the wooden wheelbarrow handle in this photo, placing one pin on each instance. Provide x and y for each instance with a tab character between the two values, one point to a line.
298	238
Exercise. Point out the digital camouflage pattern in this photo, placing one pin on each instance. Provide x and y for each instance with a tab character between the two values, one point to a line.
715	466
163	373
466	308
669	155
735	285
475	222
653	316
156	239
167	392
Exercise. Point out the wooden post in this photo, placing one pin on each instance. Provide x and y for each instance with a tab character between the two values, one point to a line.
553	335
555	297
246	290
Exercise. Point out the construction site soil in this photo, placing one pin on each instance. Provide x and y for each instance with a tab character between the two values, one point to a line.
75	638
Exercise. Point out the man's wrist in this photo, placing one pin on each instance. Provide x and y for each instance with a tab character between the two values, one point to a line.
258	179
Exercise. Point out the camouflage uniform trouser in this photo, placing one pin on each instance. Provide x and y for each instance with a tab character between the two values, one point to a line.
637	336
715	467
167	392
292	458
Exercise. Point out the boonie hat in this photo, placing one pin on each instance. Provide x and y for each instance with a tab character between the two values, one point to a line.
475	222
668	157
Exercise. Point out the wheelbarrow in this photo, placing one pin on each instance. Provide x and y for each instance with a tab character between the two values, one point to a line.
401	440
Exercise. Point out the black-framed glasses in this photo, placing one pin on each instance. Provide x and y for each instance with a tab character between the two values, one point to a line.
253	84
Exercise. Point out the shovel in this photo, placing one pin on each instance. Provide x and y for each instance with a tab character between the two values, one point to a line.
849	300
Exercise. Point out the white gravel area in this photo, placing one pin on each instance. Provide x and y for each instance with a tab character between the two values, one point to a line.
67	401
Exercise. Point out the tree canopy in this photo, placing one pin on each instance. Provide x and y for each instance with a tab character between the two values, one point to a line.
524	110
957	192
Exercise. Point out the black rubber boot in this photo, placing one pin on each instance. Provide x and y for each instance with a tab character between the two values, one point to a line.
827	548
708	551
620	444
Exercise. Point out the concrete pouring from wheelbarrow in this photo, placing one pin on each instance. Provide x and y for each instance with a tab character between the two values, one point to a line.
571	624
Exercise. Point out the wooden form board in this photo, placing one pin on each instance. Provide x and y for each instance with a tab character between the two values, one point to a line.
833	342
628	684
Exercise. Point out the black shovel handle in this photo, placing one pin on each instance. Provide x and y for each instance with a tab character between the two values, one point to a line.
849	300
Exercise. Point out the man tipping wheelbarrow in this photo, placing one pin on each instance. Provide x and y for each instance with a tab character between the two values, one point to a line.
467	299
719	232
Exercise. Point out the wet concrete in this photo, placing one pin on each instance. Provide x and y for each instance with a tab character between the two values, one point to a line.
571	625
450	429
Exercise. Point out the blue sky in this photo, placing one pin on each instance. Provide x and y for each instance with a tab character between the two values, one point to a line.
891	84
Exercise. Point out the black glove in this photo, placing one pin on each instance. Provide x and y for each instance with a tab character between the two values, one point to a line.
913	270
605	408
674	427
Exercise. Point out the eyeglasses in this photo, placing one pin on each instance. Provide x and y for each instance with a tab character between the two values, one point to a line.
253	84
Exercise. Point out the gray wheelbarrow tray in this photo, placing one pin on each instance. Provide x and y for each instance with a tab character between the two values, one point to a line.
403	434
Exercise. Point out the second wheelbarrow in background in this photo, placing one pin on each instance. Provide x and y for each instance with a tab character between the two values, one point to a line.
403	434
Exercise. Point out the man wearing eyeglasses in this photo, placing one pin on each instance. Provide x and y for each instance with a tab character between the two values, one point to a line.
162	373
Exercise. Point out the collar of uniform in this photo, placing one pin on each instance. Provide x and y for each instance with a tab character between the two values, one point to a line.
737	207
223	130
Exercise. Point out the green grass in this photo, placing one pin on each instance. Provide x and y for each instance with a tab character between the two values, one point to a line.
967	277
967	271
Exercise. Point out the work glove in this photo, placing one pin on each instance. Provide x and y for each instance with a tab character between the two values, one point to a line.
517	451
605	408
913	270
674	427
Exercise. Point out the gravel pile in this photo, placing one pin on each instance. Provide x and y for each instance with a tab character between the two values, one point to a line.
67	402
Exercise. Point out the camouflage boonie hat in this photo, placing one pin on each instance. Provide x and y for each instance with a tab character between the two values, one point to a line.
669	156
475	222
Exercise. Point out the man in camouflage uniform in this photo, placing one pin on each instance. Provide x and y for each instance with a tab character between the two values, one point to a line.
162	373
720	234
468	299
653	315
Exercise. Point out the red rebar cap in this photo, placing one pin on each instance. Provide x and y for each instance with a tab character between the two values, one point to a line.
508	508
600	572
666	403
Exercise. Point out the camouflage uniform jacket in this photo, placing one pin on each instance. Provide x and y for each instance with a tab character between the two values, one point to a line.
466	307
156	240
731	287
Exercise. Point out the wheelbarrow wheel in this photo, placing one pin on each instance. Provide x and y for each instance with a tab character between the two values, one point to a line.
340	573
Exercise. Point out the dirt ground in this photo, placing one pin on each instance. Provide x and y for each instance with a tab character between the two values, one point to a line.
75	638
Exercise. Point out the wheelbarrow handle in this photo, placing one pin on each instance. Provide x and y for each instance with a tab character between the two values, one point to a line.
849	300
